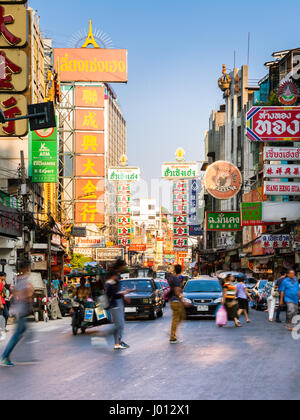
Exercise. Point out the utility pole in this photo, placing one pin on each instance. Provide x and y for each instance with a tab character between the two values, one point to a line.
26	230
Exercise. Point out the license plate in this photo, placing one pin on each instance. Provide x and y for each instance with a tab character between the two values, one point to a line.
202	308
130	310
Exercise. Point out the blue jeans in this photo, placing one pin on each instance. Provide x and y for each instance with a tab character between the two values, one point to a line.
18	334
278	312
119	321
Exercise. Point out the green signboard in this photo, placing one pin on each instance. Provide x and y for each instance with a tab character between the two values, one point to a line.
223	221
43	156
252	214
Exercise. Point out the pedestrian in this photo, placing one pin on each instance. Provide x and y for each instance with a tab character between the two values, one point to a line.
23	294
230	300
7	294
269	294
243	298
177	303
278	284
116	309
289	293
2	308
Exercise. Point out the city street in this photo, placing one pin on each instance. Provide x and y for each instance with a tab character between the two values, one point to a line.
259	361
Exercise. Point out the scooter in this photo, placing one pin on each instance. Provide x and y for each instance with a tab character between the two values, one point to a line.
87	315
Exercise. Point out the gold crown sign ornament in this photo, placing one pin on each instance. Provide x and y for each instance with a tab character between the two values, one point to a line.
180	153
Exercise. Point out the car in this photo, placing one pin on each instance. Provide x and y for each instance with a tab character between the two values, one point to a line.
205	296
145	301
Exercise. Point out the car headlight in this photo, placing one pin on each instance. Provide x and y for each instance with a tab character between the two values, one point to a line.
188	300
146	301
217	301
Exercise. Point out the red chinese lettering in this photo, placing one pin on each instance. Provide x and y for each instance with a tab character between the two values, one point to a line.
6	20
11	112
7	68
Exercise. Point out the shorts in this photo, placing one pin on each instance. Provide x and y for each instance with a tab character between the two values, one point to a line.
243	303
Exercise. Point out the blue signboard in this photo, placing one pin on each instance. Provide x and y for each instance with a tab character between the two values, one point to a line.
195	187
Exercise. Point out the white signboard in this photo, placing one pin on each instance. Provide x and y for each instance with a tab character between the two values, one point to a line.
91	242
110	254
282	171
180	170
85	252
127	174
276	241
282	153
282	188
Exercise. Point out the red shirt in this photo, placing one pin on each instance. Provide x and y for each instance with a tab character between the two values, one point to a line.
2	298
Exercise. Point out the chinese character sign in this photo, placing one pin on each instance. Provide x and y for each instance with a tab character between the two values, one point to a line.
282	171
89	143
89	212
89	166
124	214
89	97
180	215
89	119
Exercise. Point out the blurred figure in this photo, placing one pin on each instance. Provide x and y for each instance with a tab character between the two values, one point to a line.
177	303
23	295
289	293
269	293
116	299
229	300
243	298
278	284
3	309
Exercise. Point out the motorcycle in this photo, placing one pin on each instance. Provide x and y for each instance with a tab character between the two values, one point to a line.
87	315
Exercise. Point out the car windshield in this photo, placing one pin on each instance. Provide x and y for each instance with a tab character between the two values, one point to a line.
138	285
203	286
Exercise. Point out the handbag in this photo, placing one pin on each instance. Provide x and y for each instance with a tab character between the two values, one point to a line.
221	317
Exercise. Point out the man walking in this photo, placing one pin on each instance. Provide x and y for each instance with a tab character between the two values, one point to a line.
177	304
23	294
290	292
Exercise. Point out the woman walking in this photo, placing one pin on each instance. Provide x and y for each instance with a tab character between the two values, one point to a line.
269	293
229	300
243	298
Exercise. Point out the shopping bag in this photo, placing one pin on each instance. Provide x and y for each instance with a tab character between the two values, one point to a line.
221	318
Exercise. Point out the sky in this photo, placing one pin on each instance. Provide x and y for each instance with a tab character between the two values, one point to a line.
176	50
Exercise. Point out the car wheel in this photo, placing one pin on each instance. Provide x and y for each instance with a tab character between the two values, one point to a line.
153	315
160	314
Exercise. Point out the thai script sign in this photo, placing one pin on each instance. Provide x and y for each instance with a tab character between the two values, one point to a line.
223	221
128	174
223	180
276	241
282	153
109	254
91	65
282	171
282	188
176	170
273	124
90	242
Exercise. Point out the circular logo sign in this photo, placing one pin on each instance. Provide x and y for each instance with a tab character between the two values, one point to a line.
223	180
44	134
288	93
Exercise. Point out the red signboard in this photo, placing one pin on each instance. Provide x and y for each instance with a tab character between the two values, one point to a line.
274	123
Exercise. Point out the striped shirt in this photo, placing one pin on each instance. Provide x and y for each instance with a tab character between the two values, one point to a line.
230	291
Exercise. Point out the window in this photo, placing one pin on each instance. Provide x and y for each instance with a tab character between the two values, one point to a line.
239	138
151	207
239	104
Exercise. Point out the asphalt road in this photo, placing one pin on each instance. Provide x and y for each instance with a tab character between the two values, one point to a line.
258	361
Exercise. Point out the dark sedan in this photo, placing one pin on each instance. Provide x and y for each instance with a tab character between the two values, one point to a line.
146	301
204	295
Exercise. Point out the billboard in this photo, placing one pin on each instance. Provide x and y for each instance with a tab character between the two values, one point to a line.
223	180
89	96
89	166
89	143
91	65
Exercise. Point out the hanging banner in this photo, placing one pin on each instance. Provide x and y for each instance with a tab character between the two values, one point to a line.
282	153
276	241
223	221
282	188
273	123
282	171
223	180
